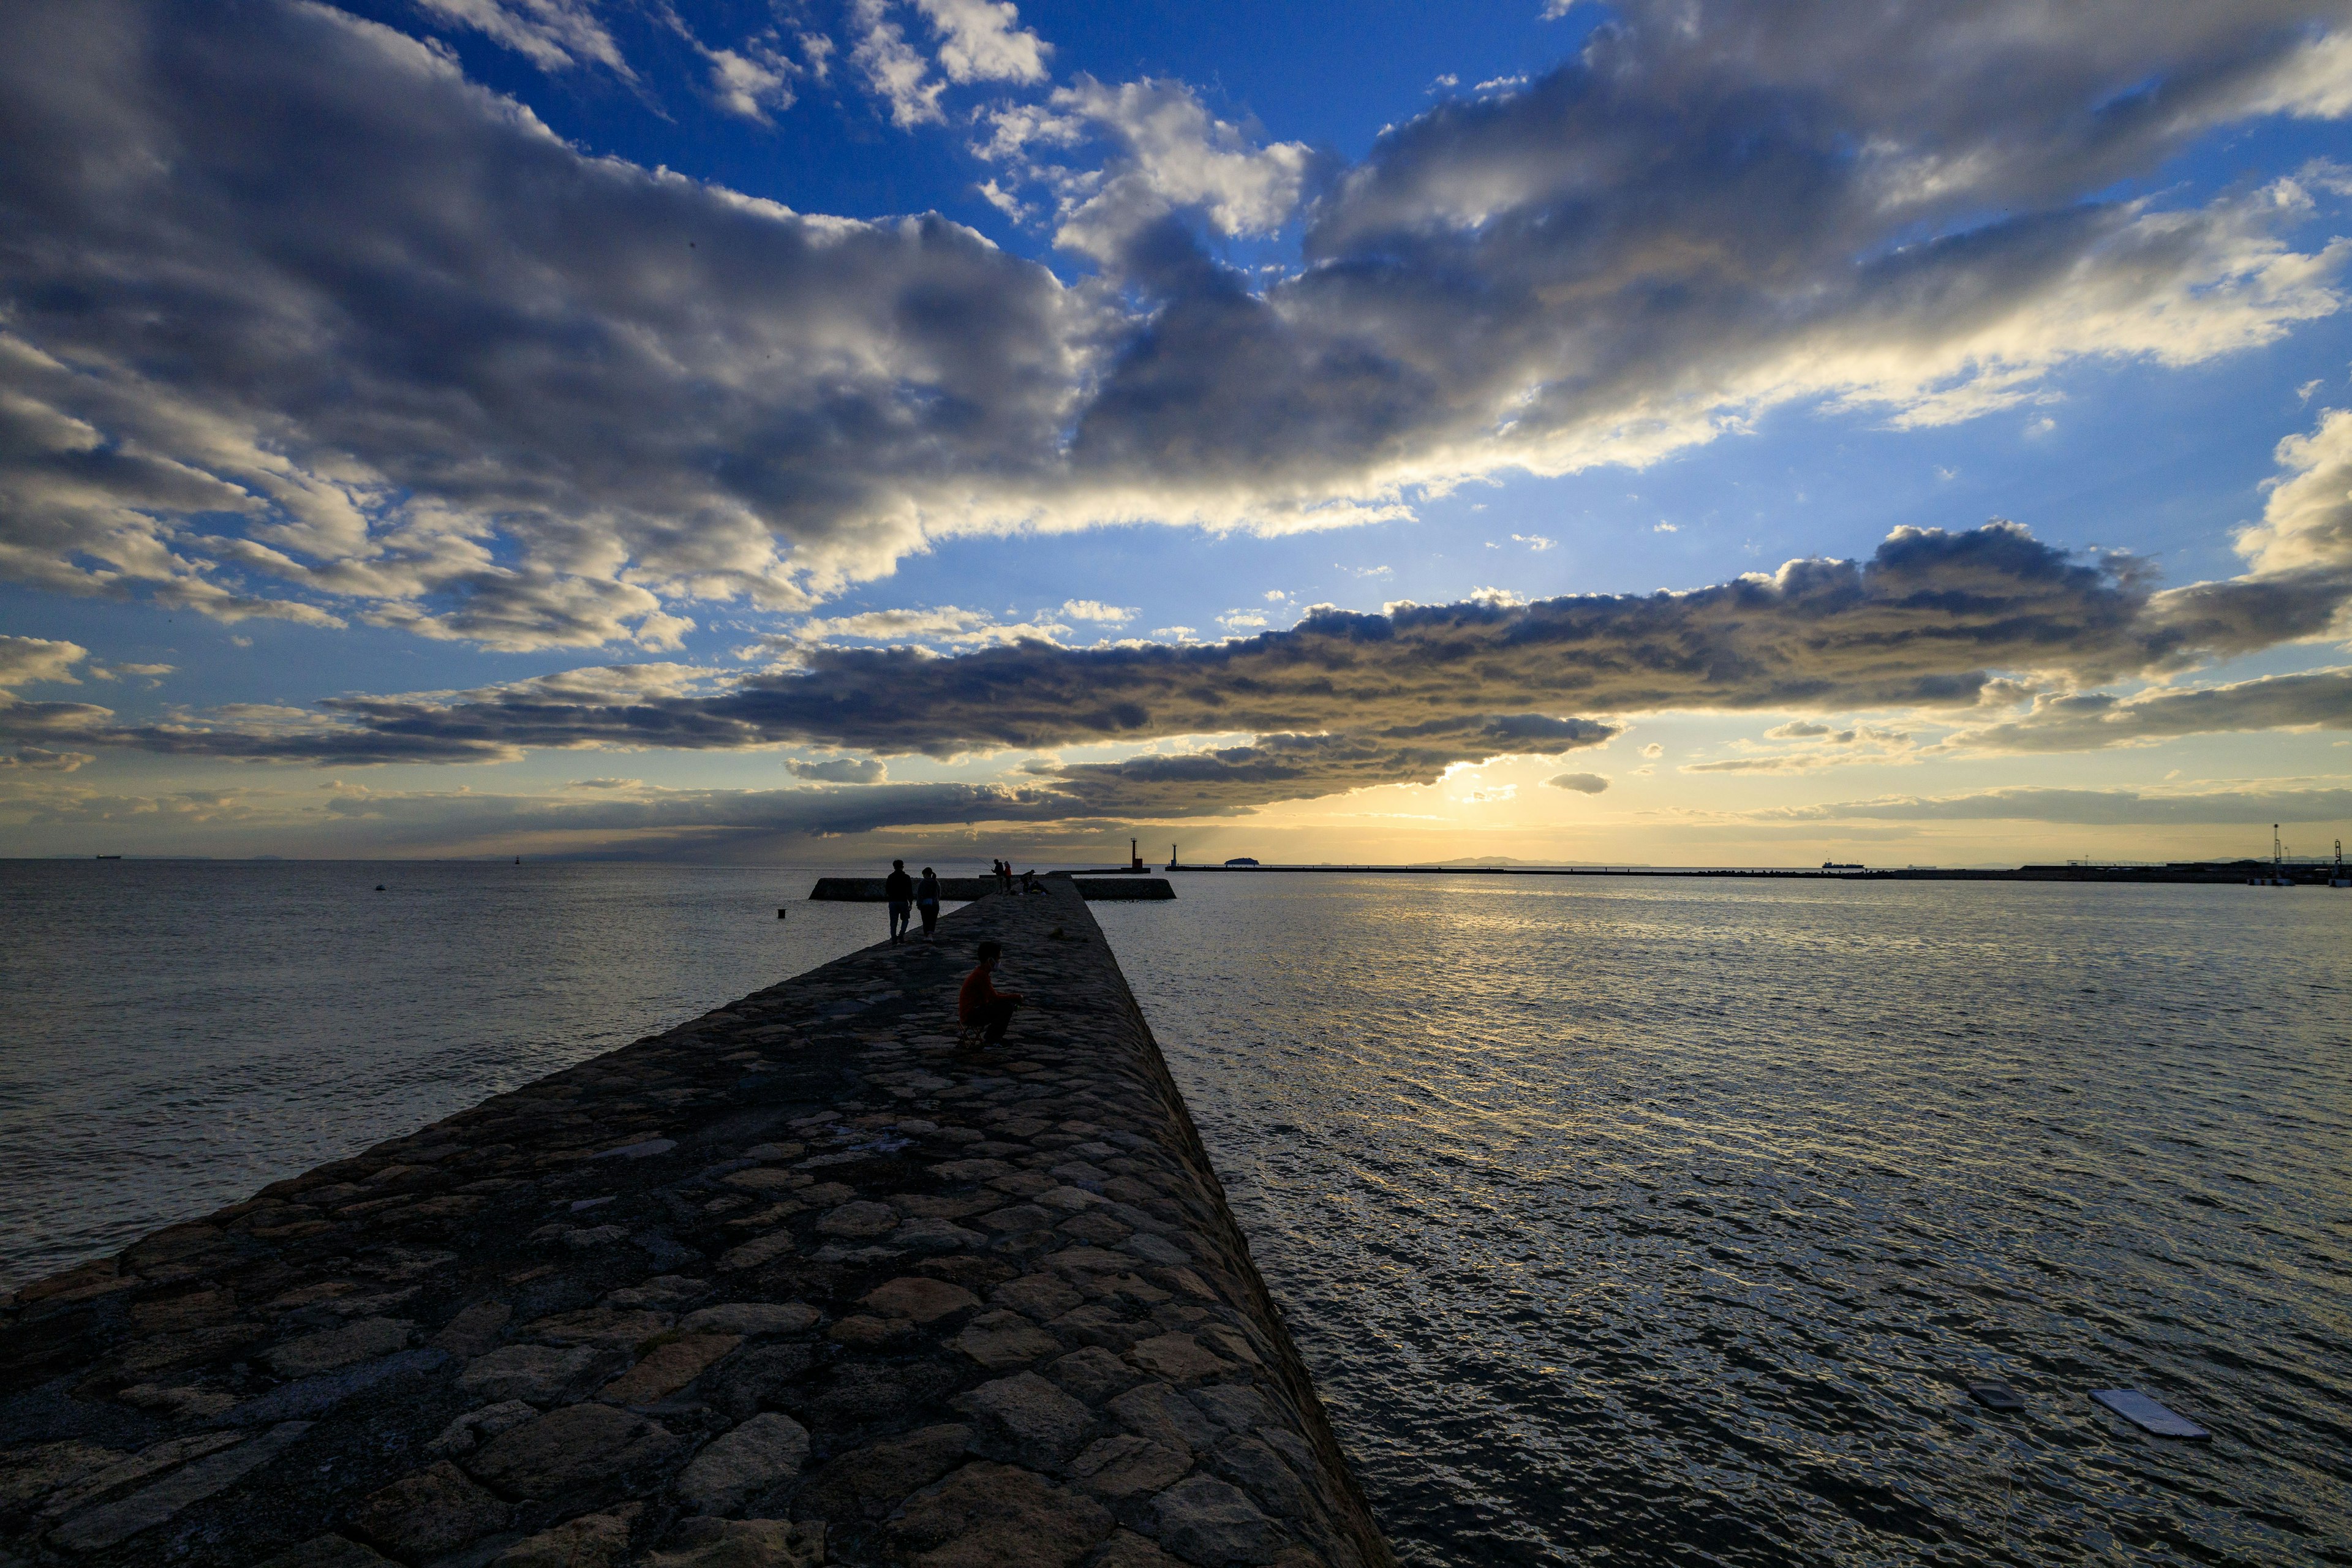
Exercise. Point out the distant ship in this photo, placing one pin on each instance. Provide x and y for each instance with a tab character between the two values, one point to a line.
110	857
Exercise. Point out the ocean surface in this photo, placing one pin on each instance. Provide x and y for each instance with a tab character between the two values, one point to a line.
1660	1222
1622	1221
176	1034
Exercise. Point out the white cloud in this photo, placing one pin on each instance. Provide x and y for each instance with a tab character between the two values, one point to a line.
945	626
1163	152
894	68
1094	610
1653	750
1242	620
1536	541
26	660
753	81
1665	527
554	35
983	41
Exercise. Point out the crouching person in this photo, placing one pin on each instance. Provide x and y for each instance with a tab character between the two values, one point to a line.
980	1004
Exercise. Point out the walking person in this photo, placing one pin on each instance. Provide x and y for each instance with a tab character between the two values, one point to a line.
980	1004
927	903
900	889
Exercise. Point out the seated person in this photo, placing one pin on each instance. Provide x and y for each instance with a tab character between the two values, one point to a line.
980	1004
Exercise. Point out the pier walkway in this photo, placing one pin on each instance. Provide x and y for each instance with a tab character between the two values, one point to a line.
792	1283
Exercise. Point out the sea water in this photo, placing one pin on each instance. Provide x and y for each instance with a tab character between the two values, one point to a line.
176	1034
1661	1222
1621	1221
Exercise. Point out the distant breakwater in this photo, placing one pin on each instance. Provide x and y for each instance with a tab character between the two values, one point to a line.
1094	889
795	1282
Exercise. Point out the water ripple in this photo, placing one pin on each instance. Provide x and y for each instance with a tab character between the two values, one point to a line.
1652	1222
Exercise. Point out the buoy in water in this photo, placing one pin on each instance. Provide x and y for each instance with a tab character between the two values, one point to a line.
779	914
379	886
1995	1395
2146	1415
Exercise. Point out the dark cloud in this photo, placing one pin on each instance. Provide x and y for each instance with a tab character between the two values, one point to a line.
2089	808
299	322
1583	783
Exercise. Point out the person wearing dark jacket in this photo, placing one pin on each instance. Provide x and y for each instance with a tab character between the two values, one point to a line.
927	903
900	889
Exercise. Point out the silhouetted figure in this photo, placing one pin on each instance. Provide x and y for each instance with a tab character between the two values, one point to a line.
980	1004
1029	882
1003	875
900	889
927	903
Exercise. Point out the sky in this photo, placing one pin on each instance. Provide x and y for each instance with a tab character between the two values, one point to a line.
1676	432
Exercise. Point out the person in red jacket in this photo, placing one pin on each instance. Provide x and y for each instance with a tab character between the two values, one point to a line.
980	1004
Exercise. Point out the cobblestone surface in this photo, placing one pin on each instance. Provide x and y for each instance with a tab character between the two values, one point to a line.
801	1282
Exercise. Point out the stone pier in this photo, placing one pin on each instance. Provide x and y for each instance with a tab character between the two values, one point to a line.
798	1282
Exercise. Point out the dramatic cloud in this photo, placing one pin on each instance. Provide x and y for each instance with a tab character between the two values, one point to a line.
2090	722
838	770
296	322
2088	807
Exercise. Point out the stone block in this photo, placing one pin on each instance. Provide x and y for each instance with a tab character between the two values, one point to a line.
1127	1465
998	1516
1234	1406
116	1521
857	1219
736	1466
1158	1412
593	1541
597	1326
1040	1296
428	1514
669	1367
332	1348
1093	1374
923	1301
863	1331
1178	1359
573	1446
474	1330
742	1543
27	1475
1001	1339
935	1236
1125	1549
1039	1423
1252	1464
328	1552
1210	1523
755	1254
1101	1323
540	1374
750	1317
871	1481
471	1429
